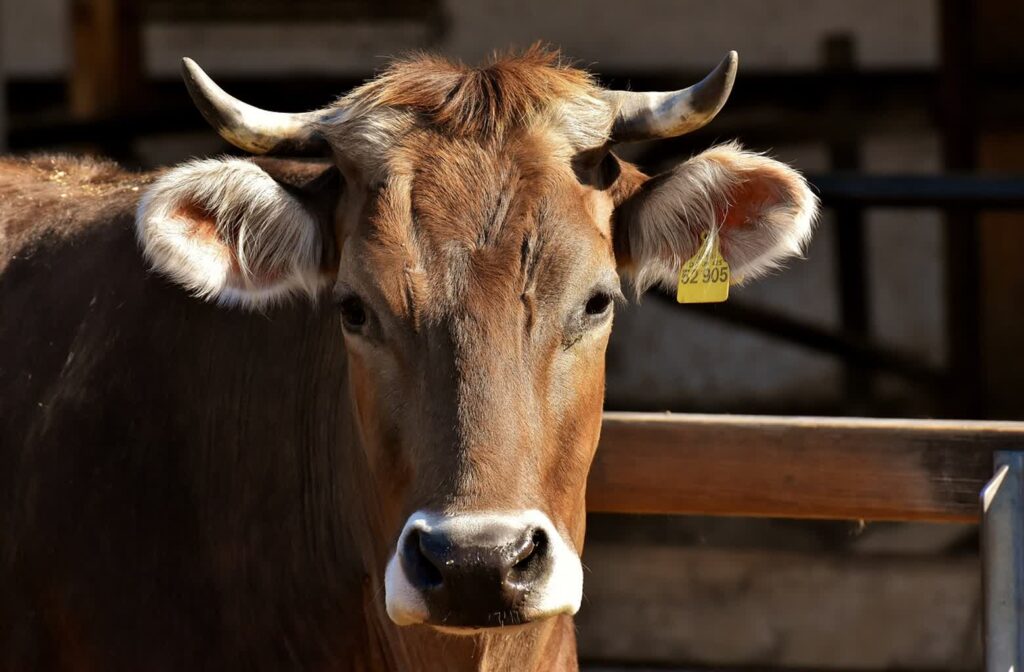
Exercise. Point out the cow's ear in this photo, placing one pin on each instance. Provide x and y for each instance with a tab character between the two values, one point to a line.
761	210
239	233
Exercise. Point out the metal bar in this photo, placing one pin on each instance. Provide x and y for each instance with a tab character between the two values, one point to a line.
835	189
855	350
851	252
850	247
1002	548
920	191
965	396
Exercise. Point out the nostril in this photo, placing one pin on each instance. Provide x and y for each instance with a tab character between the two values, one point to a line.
532	551
420	562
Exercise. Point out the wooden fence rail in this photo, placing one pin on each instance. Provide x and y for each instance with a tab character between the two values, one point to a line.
796	467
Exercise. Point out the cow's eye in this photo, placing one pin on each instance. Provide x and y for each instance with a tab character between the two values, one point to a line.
595	312
598	304
353	313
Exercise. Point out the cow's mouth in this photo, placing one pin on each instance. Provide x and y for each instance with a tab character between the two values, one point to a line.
466	572
468	623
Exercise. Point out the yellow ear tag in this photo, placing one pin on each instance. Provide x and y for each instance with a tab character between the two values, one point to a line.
705	277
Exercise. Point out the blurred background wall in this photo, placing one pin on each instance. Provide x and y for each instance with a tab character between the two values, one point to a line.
906	116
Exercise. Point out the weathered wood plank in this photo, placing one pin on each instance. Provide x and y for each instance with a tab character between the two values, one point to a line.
106	72
796	467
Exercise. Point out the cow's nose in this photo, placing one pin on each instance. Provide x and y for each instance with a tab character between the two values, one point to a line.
478	579
460	571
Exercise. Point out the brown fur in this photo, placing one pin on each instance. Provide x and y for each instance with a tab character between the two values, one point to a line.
507	92
188	487
472	252
234	482
54	195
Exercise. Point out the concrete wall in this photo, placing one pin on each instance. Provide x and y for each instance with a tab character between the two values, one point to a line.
779	610
613	35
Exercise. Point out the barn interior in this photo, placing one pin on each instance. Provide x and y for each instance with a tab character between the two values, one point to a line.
908	119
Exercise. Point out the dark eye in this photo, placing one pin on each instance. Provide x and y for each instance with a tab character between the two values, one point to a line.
353	314
598	304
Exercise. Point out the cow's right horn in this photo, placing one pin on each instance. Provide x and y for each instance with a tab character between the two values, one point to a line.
250	128
649	115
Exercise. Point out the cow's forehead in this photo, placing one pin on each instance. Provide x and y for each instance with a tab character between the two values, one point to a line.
504	98
479	193
456	218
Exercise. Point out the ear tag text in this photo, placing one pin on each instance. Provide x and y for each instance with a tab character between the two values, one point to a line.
704	278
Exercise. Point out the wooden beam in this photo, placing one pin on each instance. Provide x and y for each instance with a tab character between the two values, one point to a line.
107	68
1001	151
793	467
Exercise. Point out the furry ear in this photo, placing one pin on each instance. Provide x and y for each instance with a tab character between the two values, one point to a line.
761	210
227	231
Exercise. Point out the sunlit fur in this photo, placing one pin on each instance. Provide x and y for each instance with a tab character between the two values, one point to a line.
46	195
504	95
761	211
225	230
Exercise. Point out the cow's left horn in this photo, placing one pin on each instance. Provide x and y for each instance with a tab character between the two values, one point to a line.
644	115
250	128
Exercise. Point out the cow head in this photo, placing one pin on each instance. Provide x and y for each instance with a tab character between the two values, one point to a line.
472	232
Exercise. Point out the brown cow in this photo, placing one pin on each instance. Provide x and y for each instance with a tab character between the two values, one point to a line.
390	475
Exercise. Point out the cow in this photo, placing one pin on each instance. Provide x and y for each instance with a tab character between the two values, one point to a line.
332	406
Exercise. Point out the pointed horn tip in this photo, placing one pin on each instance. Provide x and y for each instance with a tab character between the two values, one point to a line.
733	59
729	65
711	93
192	73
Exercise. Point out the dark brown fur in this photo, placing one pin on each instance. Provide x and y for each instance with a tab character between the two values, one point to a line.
141	529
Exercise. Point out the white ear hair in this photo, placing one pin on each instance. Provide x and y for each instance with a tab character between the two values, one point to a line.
227	231
762	211
777	229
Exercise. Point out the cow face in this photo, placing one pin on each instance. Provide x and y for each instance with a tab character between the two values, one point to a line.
475	288
472	236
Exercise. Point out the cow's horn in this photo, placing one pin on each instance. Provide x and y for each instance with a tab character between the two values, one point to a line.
648	115
250	128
